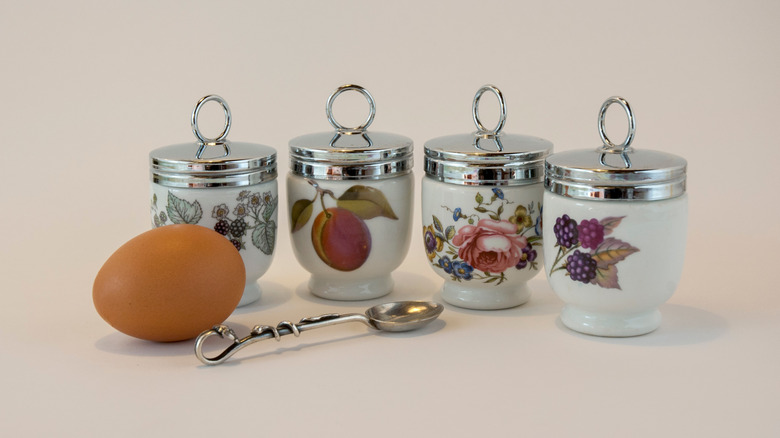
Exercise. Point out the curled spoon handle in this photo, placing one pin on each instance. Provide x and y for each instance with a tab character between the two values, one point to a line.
260	333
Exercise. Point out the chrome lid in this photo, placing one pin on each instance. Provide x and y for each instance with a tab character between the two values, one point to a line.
351	153
487	156
616	171
212	162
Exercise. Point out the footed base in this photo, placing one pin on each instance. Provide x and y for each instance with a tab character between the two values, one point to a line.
610	325
251	294
344	289
489	298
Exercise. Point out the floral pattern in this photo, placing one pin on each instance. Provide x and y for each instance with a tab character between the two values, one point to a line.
251	217
586	253
486	246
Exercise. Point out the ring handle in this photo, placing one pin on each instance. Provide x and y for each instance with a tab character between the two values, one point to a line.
338	135
631	123
371	108
196	112
475	110
496	140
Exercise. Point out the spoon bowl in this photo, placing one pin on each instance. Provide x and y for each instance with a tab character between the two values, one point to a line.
403	316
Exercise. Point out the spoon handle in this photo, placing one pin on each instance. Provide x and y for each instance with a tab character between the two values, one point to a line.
260	333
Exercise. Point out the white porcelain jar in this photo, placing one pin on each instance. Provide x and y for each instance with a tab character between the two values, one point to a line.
481	212
615	231
350	195
229	187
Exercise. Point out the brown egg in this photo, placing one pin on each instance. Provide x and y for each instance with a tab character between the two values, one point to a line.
170	283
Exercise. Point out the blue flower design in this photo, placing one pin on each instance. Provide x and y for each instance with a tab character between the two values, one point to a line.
462	270
498	192
538	226
446	264
456	214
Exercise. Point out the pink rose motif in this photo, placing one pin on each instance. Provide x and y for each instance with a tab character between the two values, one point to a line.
490	246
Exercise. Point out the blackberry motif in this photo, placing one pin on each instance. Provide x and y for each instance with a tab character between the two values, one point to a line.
591	233
566	231
222	227
238	227
581	267
255	218
588	252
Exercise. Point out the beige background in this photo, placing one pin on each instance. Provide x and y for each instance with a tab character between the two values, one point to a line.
89	88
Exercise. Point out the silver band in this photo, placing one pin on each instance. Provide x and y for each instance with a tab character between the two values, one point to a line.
194	121
611	191
371	108
373	171
502	109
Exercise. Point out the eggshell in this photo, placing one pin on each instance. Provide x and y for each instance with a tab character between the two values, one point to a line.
170	283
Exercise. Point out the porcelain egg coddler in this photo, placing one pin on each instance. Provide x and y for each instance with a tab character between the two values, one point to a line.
615	229
481	212
227	186
350	196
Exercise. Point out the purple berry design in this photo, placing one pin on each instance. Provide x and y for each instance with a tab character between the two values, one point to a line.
588	253
566	231
236	243
222	227
591	233
581	267
238	227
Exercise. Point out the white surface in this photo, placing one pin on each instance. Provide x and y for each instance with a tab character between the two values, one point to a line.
508	286
89	88
388	239
646	278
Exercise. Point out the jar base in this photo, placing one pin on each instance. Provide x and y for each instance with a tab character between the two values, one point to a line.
341	289
489	298
610	325
251	294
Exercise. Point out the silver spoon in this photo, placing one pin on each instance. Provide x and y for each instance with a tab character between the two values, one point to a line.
400	316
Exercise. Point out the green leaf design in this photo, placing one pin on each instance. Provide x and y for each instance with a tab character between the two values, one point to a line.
366	203
479	199
181	211
481	209
534	240
437	224
449	232
612	251
270	208
299	215
494	217
500	210
607	277
610	223
264	237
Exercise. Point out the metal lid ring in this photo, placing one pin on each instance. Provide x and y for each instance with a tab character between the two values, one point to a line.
196	112
631	123
475	110
371	108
